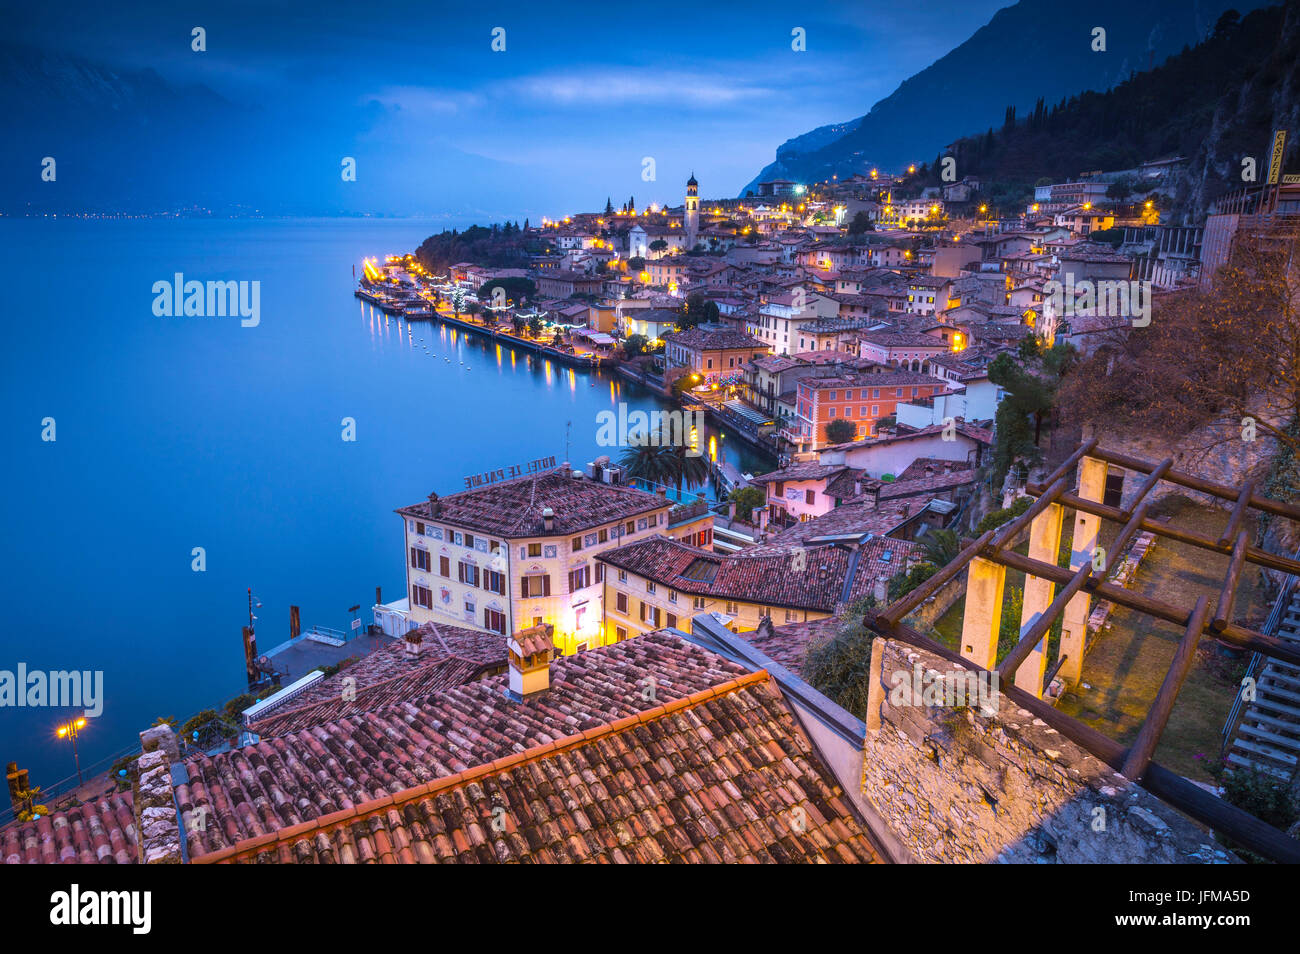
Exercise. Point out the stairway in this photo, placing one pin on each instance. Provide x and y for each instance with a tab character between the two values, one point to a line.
1267	737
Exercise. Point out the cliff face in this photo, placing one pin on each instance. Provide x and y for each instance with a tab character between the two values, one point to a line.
1268	98
1036	48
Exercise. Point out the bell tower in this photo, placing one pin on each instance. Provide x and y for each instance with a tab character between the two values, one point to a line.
692	223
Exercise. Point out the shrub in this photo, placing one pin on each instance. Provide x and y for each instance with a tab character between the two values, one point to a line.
996	518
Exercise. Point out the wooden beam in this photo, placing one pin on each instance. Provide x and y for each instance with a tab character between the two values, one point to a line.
1004	533
1182	794
1139	756
1222	491
1253	554
1241	636
1007	668
1231	579
1238	514
1125	535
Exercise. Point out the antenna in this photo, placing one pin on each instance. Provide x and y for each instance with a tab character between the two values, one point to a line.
567	426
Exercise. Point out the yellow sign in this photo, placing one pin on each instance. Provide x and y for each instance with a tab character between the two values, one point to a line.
1275	163
1290	180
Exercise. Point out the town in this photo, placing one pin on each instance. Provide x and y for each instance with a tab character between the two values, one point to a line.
1007	574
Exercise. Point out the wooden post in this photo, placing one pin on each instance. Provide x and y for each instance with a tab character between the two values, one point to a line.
295	623
1074	622
1045	545
250	655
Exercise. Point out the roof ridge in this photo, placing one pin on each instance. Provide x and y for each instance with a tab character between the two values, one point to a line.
356	813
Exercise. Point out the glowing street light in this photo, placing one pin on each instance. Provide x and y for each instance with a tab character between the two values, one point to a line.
69	731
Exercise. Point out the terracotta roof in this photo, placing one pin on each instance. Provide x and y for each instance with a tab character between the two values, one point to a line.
513	508
332	766
765	574
434	675
719	773
788	644
705	339
799	470
101	831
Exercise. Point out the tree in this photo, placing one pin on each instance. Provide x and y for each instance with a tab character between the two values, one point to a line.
699	310
941	546
535	326
457	300
747	500
658	245
515	290
861	223
1218	361
1120	189
1031	384
840	667
840	431
635	345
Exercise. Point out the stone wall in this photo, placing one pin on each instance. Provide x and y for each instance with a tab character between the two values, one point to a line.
959	784
155	808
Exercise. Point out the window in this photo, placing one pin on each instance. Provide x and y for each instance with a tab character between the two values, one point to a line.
534	549
808	497
699	602
631	526
672	596
620	602
649	586
421	596
875	410
622	576
900	392
733	609
620	634
602	535
444	566
791	616
831	396
420	558
468	573
419	528
494	620
779	489
494	582
469	540
576	544
600	573
535	584
672	621
578	578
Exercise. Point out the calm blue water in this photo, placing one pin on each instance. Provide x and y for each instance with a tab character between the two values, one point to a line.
175	433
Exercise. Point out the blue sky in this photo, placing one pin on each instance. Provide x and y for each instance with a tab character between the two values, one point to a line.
440	123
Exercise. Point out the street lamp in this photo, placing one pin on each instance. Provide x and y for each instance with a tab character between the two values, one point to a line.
69	731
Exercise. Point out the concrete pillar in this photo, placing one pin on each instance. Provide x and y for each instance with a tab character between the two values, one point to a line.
985	582
1074	626
1044	545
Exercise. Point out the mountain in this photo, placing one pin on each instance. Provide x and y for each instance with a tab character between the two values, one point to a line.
1034	49
1212	104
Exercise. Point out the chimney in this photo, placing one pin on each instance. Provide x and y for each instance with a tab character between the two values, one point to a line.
548	519
530	651
413	642
435	506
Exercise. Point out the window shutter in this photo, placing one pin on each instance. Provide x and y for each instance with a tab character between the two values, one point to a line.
523	586
546	585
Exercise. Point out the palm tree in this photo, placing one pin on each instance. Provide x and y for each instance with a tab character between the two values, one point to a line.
941	546
646	461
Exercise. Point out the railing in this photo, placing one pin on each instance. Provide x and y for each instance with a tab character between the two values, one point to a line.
1257	659
51	795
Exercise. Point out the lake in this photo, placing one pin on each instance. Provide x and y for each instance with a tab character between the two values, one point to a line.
173	433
